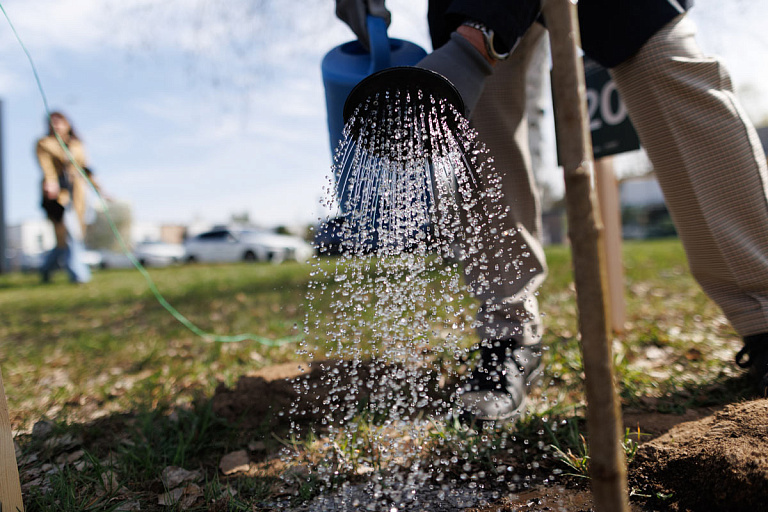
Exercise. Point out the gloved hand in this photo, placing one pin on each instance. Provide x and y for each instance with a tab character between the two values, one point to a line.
354	13
463	65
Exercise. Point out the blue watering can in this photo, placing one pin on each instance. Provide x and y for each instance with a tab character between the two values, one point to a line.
348	64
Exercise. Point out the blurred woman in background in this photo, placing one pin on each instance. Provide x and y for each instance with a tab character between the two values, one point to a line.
64	191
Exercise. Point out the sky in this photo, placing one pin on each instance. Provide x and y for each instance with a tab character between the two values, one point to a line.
194	111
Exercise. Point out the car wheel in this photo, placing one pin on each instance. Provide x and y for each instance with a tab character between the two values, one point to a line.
249	256
191	259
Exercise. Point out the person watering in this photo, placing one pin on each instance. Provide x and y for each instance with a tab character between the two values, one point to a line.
706	154
64	198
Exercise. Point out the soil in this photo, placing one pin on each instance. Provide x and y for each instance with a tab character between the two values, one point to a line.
717	463
707	459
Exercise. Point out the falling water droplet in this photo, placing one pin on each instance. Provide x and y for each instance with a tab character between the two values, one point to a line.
388	316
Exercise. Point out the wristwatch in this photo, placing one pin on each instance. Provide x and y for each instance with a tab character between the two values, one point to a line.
488	39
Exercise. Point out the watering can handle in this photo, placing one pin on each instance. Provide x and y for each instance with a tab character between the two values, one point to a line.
379	41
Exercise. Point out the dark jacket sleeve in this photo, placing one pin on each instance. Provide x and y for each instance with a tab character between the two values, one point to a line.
509	19
614	30
611	30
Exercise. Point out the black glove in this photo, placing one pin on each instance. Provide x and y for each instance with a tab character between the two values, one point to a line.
354	13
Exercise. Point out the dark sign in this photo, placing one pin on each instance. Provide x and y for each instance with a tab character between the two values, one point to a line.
612	131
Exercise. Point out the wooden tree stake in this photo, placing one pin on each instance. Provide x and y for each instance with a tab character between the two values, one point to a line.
610	212
607	464
10	488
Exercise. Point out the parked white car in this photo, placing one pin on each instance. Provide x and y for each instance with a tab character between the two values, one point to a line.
159	254
114	259
230	245
149	254
281	248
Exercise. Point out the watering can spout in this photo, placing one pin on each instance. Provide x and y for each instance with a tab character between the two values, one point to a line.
422	87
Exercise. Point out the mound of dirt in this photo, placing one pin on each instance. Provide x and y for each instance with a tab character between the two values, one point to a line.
716	463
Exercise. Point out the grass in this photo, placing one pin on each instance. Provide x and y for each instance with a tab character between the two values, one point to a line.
577	462
125	390
111	335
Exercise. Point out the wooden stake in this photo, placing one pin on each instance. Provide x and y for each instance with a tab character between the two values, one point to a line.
610	211
10	487
607	465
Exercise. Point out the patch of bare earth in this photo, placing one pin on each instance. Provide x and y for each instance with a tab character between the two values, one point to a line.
261	399
296	392
716	463
707	459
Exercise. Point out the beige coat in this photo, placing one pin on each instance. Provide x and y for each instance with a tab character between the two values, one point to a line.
55	163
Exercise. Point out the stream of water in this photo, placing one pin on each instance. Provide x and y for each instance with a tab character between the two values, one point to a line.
417	190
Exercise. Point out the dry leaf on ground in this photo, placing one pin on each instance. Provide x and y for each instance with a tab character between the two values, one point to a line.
235	462
174	476
185	497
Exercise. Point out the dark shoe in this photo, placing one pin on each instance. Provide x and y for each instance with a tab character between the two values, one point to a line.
498	387
754	356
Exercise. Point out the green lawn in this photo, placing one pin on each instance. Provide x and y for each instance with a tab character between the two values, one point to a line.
87	339
108	366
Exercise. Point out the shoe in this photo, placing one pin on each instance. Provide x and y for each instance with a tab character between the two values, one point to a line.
498	387
754	356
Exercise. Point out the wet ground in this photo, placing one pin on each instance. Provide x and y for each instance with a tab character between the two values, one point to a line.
703	460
